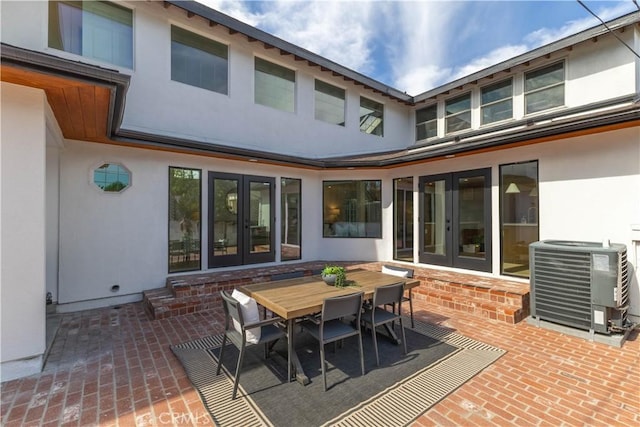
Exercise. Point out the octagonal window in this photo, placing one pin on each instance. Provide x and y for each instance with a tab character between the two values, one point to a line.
112	177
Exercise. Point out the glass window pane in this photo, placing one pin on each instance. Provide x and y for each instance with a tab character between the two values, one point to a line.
371	116
435	235
330	103
426	122
458	105
459	122
274	85
184	219
225	217
497	111
95	29
291	224
519	220
545	99
471	216
403	219
352	209
458	113
544	77
198	61
544	88
496	92
260	217
112	177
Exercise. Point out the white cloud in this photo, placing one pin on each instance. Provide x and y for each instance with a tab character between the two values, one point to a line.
494	57
421	78
410	45
339	31
545	35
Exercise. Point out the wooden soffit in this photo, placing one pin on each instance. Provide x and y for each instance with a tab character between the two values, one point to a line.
81	108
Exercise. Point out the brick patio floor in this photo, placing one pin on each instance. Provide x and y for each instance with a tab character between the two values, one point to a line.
113	366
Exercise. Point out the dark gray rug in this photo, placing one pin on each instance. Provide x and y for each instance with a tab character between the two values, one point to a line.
396	393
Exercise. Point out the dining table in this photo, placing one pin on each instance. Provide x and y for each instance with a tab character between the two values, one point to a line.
298	297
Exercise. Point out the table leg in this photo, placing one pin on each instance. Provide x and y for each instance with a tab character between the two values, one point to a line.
392	333
293	362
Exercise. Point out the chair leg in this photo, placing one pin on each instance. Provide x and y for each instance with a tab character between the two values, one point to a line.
224	341
361	352
375	343
237	379
404	338
413	325
322	366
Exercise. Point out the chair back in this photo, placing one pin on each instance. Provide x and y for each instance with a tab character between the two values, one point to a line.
231	309
397	271
389	294
342	306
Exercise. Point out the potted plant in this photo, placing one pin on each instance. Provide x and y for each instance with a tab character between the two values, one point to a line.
334	275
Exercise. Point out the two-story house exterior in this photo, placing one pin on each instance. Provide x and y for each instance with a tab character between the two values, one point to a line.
148	139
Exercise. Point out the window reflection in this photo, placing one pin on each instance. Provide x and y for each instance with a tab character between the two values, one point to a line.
184	219
291	212
352	209
519	215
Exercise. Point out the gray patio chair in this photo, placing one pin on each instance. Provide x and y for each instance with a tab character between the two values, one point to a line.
375	315
269	333
332	327
402	272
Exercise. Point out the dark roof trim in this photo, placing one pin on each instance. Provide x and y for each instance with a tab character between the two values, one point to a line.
524	130
79	71
254	34
270	41
553	124
526	57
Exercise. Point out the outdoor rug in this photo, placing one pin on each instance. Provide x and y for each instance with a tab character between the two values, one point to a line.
396	393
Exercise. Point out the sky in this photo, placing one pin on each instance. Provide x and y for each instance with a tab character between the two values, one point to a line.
415	46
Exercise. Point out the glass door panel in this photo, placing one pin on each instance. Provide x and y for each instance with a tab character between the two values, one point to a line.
224	213
260	217
472	213
241	219
436	219
456	219
403	219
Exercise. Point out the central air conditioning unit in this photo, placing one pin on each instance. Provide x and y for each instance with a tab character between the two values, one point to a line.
583	285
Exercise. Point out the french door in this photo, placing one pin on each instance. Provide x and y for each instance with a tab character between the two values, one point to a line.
241	219
455	219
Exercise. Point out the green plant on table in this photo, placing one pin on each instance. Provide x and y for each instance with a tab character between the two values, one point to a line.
339	272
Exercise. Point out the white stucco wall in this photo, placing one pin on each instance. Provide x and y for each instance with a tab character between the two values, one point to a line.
588	191
185	111
22	231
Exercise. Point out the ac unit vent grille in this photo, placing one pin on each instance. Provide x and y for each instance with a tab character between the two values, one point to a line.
562	288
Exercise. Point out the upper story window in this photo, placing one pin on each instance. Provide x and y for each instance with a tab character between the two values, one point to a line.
371	116
427	122
496	102
458	113
95	29
274	85
544	88
198	61
330	102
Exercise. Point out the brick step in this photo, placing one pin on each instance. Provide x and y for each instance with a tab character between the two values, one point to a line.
481	307
486	297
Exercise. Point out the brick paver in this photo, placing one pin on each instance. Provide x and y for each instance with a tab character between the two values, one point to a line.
113	367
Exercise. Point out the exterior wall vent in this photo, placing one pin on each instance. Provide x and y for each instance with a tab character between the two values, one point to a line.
583	285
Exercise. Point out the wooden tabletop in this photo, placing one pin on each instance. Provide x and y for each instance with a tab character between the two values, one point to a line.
292	298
